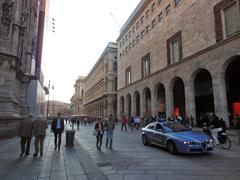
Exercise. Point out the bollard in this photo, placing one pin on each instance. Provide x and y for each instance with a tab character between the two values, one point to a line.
70	138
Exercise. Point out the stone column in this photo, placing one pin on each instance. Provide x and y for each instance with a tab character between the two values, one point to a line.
220	98
154	103
142	104
190	99
169	101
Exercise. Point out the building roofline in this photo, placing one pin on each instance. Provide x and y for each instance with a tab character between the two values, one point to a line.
112	46
140	7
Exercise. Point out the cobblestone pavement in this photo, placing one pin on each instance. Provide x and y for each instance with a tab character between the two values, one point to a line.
129	160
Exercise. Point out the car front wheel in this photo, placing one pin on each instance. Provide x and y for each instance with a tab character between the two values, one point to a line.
144	140
171	147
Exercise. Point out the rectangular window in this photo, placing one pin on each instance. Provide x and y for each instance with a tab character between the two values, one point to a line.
133	29
147	29
120	44
137	39
142	34
153	23
146	65
130	33
142	19
147	14
133	43
231	19
153	7
115	83
137	25
128	76
177	2
174	48
168	9
160	17
115	67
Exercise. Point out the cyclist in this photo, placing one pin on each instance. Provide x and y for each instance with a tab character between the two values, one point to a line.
217	127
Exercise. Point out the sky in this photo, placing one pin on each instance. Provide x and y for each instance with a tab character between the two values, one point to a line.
82	31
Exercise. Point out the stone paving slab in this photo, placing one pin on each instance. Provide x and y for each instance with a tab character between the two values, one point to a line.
129	160
54	165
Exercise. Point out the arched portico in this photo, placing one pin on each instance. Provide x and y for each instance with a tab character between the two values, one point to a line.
178	97
137	104
147	100
160	99
203	90
129	105
232	81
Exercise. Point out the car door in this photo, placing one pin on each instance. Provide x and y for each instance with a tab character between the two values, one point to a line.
159	135
150	132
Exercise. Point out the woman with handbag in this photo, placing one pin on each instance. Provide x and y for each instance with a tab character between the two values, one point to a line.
99	133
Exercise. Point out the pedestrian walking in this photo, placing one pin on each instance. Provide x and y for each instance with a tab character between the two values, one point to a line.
124	122
78	123
99	133
132	122
25	133
39	131
137	122
57	128
237	127
110	126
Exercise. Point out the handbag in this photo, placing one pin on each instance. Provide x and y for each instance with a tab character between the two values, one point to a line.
95	132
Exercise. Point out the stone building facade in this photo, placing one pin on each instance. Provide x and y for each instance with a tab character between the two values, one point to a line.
98	90
78	96
19	46
178	56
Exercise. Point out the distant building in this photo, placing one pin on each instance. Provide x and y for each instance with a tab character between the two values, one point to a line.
21	33
72	106
180	58
78	96
55	107
96	94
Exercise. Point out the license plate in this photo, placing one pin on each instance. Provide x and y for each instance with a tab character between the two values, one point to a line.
209	145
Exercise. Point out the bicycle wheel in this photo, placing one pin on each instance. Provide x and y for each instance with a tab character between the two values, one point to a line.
226	144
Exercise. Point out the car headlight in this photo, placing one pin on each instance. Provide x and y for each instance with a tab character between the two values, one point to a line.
188	142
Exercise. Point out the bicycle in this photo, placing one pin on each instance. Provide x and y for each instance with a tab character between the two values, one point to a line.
223	140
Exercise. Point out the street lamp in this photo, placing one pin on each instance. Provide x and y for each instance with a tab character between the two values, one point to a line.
47	92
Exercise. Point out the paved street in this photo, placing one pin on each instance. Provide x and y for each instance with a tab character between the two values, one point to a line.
127	161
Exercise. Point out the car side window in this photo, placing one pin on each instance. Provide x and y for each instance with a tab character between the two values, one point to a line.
159	127
151	126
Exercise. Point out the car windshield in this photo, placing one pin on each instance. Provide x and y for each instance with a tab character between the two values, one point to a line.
176	127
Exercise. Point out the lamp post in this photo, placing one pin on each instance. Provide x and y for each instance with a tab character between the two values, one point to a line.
48	98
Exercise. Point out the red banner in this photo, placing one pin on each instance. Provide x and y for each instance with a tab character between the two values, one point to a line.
236	108
176	112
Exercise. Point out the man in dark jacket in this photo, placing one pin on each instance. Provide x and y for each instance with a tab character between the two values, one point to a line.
57	128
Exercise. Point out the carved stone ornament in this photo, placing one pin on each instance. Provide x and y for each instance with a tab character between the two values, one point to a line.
7	14
24	17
